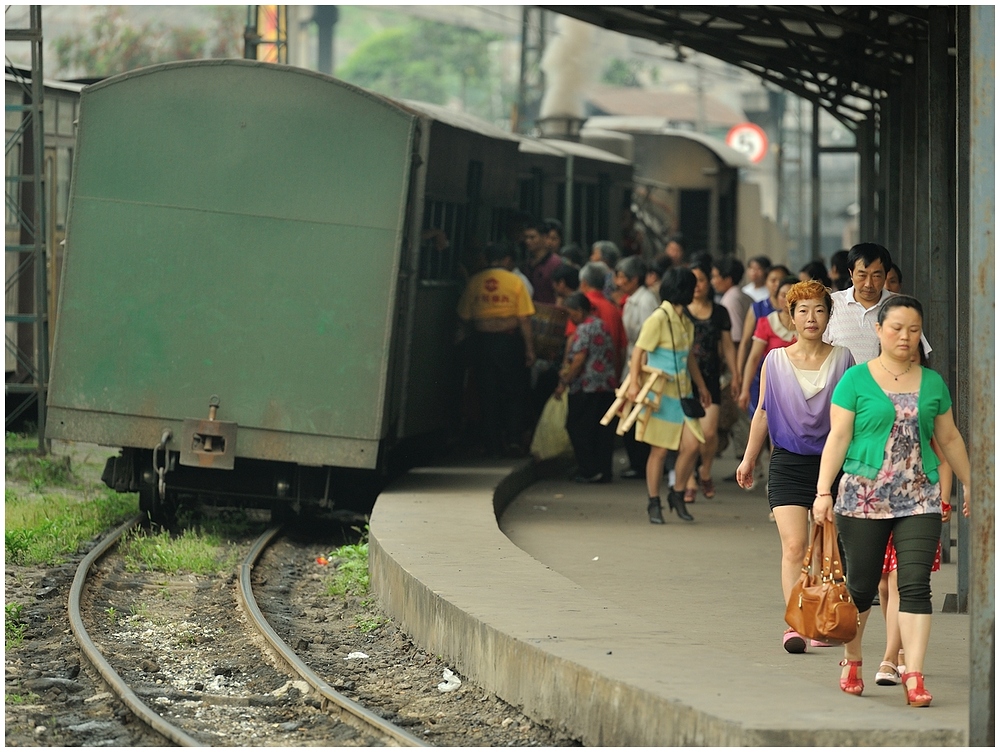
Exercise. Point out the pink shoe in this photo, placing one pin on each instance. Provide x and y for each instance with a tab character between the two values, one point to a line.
818	644
793	642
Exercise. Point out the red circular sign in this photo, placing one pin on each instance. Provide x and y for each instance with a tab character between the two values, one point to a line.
749	139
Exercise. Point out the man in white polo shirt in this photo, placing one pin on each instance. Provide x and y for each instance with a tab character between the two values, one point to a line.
855	310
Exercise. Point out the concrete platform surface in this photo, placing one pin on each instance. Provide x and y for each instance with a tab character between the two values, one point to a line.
577	610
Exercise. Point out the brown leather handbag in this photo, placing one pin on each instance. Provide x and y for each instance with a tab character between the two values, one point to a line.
820	606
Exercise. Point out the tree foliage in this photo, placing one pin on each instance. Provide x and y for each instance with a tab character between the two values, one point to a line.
425	60
114	44
629	73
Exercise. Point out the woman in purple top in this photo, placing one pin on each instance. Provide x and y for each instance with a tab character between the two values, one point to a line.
796	385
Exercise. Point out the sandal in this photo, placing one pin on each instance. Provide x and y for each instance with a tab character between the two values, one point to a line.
690	495
793	642
707	487
852	684
918	697
889	677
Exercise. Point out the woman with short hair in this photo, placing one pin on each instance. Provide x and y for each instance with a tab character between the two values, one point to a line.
589	375
884	414
796	384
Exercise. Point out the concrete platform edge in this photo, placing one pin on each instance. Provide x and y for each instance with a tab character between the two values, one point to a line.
598	709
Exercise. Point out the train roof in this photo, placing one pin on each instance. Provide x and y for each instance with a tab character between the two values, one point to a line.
24	76
657	126
458	119
573	148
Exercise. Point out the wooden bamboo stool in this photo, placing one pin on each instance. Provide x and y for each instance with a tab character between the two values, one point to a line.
629	412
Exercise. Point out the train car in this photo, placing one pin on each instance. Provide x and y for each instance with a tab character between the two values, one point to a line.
583	186
262	268
61	103
690	184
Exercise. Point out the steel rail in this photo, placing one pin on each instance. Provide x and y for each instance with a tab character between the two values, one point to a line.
90	650
286	654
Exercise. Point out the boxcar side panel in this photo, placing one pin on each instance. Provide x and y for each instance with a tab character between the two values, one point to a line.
235	230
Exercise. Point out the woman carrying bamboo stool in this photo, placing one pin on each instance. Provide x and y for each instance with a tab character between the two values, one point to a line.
665	344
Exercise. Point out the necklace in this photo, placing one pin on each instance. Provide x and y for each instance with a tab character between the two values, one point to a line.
895	375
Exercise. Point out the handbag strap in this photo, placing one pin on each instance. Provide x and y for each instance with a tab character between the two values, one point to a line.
673	350
816	537
832	568
824	541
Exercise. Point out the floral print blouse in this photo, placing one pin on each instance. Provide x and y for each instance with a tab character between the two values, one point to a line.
598	374
901	488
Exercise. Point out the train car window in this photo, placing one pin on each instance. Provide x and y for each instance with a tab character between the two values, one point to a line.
13	115
603	213
530	191
50	115
65	115
441	240
474	198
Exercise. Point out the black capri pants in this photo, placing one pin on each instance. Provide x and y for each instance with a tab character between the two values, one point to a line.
863	544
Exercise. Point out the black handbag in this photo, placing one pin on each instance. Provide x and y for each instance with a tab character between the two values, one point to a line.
692	408
690	405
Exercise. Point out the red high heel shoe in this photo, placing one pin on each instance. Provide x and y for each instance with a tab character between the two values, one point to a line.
852	683
917	697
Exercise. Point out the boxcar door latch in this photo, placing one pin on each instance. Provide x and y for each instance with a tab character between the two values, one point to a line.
208	443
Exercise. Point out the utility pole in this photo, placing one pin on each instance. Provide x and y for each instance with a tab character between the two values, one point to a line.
531	82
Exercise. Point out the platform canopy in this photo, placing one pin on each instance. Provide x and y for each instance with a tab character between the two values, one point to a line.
842	57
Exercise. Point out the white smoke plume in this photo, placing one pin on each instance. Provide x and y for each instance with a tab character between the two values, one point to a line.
569	63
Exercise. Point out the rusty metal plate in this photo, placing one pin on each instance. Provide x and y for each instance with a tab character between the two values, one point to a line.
208	443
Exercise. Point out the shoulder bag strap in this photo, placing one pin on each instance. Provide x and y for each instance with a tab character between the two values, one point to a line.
673	349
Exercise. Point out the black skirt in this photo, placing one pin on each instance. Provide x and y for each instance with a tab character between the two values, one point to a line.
791	479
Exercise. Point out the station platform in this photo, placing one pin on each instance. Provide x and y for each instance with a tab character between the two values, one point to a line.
565	601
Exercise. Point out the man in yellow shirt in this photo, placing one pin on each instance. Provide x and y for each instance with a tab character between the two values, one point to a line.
495	312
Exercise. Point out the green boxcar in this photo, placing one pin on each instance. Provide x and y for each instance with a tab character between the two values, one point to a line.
252	233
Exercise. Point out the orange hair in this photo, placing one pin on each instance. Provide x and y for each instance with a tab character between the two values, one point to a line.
811	290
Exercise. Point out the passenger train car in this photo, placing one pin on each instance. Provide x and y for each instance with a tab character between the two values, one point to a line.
257	295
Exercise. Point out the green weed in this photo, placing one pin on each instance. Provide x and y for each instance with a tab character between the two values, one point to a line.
351	576
44	530
192	551
13	628
15	699
112	613
39	471
14	442
368	622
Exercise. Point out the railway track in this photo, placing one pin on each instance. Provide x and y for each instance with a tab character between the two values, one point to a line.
187	724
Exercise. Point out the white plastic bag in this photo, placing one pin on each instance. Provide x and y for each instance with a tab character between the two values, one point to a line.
551	439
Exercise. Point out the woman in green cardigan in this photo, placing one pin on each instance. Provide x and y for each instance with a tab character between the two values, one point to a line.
882	418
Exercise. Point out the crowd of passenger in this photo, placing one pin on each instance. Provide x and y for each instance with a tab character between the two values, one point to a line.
820	376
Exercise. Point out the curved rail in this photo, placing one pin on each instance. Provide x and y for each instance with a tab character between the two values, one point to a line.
308	675
117	684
